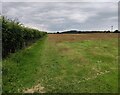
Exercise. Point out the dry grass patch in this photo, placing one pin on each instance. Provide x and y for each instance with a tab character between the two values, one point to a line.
79	37
37	88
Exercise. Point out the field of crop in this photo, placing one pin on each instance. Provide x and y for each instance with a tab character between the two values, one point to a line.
65	63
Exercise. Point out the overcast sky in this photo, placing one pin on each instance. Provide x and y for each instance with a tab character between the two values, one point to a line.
60	16
59	0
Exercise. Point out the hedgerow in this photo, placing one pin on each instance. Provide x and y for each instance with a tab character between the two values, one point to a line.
16	36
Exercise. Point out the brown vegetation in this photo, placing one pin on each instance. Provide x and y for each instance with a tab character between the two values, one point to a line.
80	37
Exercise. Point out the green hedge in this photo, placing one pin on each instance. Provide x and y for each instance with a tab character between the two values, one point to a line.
15	36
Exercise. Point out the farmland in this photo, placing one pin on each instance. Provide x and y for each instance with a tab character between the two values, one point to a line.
67	63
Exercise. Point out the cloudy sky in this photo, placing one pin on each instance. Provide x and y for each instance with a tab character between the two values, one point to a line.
60	16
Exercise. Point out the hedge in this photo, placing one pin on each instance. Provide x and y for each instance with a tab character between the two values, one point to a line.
16	36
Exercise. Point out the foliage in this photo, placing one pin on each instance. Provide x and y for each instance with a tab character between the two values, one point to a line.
15	36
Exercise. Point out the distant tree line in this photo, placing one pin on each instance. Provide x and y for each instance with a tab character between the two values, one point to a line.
78	32
15	36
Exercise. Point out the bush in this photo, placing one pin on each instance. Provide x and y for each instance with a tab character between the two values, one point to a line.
15	36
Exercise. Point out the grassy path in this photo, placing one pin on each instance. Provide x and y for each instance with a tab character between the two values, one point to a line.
63	66
19	71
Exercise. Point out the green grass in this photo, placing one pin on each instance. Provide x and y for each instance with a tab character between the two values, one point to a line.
19	70
76	67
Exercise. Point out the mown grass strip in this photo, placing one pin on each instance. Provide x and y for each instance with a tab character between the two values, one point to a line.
19	70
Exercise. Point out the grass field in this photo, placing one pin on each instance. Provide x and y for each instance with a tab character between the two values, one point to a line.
64	63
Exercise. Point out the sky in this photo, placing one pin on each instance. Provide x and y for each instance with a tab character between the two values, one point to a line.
59	0
62	16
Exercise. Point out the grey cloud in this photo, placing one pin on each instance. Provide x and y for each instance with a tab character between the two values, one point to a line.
62	16
60	0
